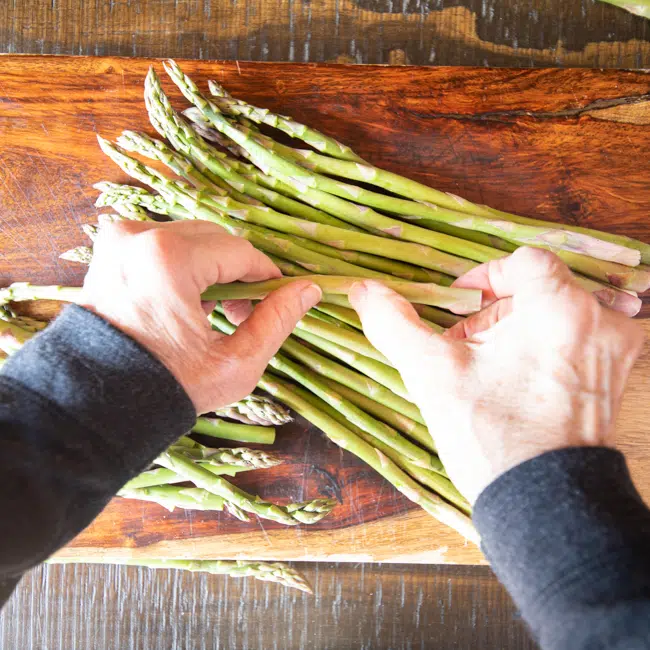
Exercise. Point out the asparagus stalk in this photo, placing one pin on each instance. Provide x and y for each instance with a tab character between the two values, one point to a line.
12	337
346	439
152	478
256	409
343	336
171	497
435	480
163	476
354	380
307	513
638	7
313	382
238	457
389	267
316	139
263	435
343	314
24	322
21	291
380	372
461	301
80	254
288	171
275	572
411	428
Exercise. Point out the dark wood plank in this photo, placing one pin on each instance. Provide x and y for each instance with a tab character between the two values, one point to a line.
423	32
561	144
355	607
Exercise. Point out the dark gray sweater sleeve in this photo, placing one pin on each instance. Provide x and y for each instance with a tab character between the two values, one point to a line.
569	536
83	408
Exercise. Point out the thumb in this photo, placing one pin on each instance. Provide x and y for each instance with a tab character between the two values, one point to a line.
393	326
260	336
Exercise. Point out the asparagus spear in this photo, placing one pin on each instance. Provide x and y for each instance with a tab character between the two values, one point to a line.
406	425
355	380
171	497
435	480
238	457
346	337
80	254
461	301
20	291
275	572
380	372
316	139
313	382
12	337
343	312
308	512
24	322
152	478
163	476
293	174
346	439
345	315
256	409
263	435
387	266
638	7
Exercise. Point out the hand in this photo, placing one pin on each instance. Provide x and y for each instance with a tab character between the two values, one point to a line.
543	367
147	279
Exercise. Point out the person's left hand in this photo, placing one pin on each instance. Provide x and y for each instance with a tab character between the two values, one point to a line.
147	278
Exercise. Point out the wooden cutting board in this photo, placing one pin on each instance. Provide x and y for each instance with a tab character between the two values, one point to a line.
569	145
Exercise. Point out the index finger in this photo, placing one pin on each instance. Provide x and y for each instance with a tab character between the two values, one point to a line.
207	252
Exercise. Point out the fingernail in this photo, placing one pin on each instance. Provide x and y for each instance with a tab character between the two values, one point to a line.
358	291
310	296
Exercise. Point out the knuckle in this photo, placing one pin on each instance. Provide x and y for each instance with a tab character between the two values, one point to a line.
539	258
159	244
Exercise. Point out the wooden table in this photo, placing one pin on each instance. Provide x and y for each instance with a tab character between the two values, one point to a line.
356	606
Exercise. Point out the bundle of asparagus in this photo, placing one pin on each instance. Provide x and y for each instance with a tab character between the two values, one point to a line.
292	203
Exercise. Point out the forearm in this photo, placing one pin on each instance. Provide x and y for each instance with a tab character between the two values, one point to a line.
83	408
568	535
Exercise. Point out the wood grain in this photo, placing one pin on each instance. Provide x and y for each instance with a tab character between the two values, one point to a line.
423	32
529	141
354	607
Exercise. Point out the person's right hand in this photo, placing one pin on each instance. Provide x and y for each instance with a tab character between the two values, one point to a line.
542	368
